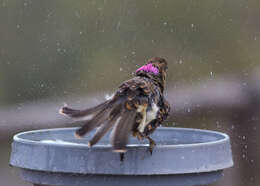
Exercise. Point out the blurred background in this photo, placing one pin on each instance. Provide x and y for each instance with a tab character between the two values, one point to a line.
77	52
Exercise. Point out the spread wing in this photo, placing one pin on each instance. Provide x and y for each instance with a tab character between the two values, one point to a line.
118	113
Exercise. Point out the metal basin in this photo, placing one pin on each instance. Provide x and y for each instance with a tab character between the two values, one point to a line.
181	157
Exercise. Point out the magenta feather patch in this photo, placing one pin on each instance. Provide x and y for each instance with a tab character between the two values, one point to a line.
149	68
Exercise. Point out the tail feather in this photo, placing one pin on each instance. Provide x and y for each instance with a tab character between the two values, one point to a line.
103	130
74	113
122	130
100	117
113	119
96	121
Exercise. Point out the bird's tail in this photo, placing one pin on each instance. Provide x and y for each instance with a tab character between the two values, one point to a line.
74	113
107	115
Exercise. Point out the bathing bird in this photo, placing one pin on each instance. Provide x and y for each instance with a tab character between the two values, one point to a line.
137	108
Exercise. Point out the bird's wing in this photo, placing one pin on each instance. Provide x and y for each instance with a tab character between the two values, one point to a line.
136	97
118	113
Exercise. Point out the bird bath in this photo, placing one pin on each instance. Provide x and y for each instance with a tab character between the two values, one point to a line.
182	157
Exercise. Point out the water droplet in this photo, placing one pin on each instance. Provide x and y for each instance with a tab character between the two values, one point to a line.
218	124
244	84
180	61
118	25
192	25
77	14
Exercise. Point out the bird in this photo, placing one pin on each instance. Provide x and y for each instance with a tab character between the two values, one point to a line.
136	108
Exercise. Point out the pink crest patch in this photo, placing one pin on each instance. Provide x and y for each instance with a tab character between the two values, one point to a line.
149	68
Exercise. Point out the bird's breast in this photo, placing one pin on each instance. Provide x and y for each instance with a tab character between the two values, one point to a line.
147	116
152	114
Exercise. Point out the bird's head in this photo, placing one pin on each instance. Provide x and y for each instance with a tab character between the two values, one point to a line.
154	69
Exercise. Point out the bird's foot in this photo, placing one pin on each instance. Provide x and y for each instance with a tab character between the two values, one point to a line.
138	135
152	144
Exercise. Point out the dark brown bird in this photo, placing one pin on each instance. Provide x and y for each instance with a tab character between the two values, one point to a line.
138	107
